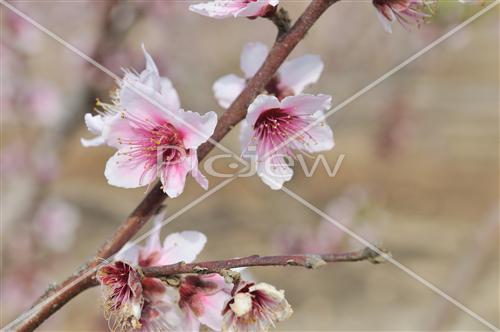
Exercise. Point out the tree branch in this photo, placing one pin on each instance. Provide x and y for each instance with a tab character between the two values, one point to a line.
81	280
307	261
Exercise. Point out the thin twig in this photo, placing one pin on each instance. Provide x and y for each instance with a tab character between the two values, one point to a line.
82	280
307	261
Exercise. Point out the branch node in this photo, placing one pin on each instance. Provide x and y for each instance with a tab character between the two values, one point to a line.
230	276
281	20
314	261
199	269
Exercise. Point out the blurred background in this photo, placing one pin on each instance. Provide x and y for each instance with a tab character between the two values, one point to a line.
419	177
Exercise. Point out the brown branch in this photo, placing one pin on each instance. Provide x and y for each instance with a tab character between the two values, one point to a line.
307	261
57	296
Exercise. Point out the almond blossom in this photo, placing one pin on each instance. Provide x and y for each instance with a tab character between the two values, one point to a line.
235	8
405	12
274	128
291	79
255	307
122	293
202	298
153	135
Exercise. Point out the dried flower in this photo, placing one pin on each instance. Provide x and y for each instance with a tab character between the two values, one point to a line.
291	79
255	307
123	295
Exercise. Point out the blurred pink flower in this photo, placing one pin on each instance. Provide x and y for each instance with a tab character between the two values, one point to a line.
55	223
235	8
202	298
154	137
123	295
406	12
44	104
292	77
255	307
270	123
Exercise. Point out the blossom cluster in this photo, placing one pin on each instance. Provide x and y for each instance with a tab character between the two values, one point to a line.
134	302
156	138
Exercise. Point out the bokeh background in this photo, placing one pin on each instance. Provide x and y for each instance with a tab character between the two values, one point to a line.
419	177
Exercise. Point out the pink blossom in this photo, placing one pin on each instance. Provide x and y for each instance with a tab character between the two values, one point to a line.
271	125
405	12
202	298
291	79
56	222
177	247
123	295
235	8
153	135
255	307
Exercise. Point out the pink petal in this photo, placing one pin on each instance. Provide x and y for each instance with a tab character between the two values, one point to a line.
246	133
122	172
195	172
301	72
120	129
195	128
306	104
218	8
227	88
169	94
173	178
260	104
386	23
213	305
183	246
252	57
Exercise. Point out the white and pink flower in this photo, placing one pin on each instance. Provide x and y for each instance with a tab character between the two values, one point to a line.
406	12
274	128
291	79
255	307
202	299
153	135
235	8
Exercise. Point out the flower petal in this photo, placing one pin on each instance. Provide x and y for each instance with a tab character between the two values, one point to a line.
260	104
306	104
122	172
183	247
195	128
227	88
274	171
297	74
213	306
319	137
256	8
217	8
195	172
252	57
129	253
173	178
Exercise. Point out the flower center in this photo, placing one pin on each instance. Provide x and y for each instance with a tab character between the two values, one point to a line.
165	144
275	121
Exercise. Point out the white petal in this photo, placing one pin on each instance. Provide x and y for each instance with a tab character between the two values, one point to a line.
274	171
252	57
95	123
122	172
226	89
307	104
217	8
260	104
169	94
213	306
129	254
195	128
183	246
195	172
246	133
256	8
319	137
301	72
96	141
